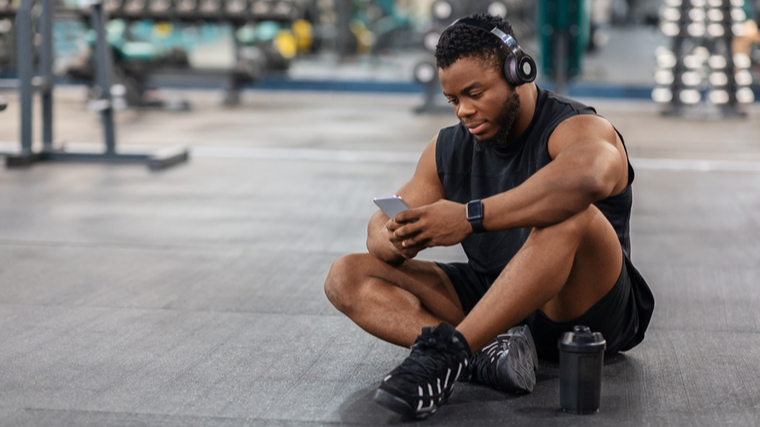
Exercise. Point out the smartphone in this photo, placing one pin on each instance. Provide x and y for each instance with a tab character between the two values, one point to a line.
391	205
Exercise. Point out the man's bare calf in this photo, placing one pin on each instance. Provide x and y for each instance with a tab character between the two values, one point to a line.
392	302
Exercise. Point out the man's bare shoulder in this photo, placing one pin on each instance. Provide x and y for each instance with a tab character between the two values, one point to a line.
582	129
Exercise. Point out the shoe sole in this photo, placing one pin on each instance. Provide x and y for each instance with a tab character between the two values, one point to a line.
399	406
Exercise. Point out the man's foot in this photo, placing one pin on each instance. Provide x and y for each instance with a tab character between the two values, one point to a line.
426	378
507	363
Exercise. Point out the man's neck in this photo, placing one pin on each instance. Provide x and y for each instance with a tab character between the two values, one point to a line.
528	96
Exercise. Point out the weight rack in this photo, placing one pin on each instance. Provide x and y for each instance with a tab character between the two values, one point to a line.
28	83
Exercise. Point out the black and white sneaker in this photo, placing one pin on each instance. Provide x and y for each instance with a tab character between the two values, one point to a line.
426	378
507	363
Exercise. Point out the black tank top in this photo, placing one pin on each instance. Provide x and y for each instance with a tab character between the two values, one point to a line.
469	171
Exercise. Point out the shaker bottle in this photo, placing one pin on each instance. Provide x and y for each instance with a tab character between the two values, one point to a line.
581	354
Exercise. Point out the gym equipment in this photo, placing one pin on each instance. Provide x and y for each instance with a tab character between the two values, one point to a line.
133	62
137	63
7	42
351	27
563	37
7	9
133	68
236	12
44	84
426	74
701	76
446	11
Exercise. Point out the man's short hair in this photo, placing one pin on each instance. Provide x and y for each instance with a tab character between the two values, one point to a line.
464	41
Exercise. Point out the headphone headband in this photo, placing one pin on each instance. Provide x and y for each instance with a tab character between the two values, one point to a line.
519	67
485	26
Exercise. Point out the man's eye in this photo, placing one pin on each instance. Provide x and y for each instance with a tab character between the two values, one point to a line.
476	95
452	101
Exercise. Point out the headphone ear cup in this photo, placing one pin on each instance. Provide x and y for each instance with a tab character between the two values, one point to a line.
510	71
526	69
519	70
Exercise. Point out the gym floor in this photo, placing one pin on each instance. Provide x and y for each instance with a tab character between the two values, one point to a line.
193	296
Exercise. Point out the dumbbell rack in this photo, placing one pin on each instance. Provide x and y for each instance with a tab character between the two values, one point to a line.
27	84
236	12
701	76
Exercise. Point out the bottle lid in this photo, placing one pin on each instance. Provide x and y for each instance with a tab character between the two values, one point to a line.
582	340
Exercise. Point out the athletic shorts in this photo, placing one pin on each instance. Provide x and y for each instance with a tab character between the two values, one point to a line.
622	315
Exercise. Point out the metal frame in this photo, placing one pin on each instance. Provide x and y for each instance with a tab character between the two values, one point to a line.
430	106
44	83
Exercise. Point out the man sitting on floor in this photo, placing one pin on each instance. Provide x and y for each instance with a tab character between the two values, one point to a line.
536	188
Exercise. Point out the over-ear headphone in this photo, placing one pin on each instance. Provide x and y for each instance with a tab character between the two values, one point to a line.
519	68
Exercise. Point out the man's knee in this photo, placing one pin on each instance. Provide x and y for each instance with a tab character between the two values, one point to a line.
343	281
571	230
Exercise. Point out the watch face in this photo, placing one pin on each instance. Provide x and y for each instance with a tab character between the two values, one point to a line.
475	210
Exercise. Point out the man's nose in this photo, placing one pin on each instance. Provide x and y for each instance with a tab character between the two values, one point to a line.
465	108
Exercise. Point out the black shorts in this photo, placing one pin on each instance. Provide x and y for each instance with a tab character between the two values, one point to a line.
622	315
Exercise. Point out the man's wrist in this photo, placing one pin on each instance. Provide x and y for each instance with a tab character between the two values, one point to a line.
474	211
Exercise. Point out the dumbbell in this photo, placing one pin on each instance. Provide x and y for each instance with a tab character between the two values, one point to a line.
446	11
160	7
186	7
111	6
236	7
135	7
261	8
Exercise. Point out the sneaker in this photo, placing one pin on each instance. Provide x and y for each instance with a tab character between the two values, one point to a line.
426	378
507	363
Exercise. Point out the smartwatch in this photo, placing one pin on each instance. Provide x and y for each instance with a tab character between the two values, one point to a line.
475	215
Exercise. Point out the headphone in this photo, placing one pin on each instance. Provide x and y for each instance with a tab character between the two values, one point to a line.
519	68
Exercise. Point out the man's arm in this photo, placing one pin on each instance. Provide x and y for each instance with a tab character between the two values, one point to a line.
589	164
422	189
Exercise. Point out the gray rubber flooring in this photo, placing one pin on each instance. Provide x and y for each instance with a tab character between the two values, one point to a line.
193	296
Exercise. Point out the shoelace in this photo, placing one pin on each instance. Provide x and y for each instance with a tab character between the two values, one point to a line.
422	363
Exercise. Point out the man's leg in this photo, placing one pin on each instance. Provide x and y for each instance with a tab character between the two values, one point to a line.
391	302
561	270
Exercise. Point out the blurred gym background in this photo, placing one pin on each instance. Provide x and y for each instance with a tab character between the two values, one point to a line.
194	296
613	48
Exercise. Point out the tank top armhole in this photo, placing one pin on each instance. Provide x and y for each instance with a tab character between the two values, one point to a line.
631	173
439	156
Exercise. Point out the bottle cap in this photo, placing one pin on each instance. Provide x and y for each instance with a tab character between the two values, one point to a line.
582	340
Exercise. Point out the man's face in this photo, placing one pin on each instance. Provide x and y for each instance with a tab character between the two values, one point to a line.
482	99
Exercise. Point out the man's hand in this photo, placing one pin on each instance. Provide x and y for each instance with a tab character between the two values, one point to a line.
406	248
443	223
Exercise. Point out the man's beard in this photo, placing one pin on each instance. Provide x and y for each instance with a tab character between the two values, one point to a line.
507	116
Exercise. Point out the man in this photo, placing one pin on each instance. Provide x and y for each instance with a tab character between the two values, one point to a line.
536	188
